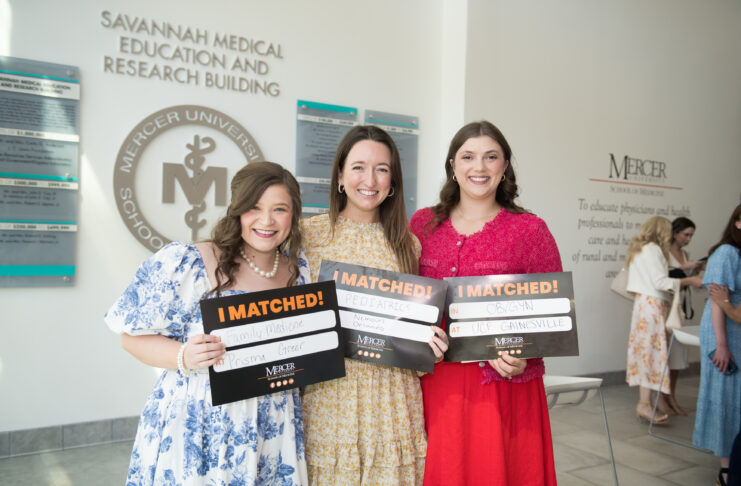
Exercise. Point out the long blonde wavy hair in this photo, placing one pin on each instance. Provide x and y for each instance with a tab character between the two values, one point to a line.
656	229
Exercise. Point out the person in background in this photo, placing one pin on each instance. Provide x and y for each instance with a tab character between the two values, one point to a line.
680	266
487	422
719	295
366	428
648	279
719	400
182	438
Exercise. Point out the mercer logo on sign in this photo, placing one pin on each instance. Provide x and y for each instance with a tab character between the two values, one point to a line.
631	168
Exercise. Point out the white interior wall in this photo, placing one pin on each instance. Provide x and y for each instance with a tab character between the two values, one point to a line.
452	100
59	363
571	82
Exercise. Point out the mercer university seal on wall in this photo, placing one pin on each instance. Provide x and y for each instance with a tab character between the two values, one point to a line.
172	173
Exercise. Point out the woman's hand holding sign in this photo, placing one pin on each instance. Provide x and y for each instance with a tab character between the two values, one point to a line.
202	351
507	365
438	343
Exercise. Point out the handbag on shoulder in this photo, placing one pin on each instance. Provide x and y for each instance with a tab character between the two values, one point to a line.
619	284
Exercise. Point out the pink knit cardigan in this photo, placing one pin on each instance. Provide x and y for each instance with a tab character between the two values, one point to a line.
509	243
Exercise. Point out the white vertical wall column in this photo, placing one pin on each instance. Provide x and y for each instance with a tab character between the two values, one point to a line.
454	35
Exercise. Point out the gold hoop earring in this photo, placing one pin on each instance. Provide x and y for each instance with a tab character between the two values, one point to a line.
391	192
454	179
340	188
504	177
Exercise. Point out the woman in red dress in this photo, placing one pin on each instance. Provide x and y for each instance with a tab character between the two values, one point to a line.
487	422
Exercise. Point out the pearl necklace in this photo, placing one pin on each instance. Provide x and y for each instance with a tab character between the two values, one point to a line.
262	273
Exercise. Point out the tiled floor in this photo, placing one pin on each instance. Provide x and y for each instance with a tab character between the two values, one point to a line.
582	457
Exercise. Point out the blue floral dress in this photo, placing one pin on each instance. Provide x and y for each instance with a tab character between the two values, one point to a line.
182	438
719	401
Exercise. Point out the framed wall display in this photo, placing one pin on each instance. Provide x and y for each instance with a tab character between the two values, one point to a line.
404	130
39	172
319	130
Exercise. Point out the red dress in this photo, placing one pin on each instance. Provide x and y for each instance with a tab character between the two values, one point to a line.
481	428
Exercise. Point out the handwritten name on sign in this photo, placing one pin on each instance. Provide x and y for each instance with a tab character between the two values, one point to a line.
386	316
528	315
276	340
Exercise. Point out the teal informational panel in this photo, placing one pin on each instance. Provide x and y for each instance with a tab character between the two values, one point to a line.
404	130
39	172
319	130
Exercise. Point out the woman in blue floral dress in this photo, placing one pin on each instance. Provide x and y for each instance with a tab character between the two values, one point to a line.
719	401
182	438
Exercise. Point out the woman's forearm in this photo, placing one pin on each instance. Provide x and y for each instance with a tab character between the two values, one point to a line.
153	349
733	313
719	324
694	281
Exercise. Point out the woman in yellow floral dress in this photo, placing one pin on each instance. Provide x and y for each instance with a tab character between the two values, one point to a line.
366	428
648	279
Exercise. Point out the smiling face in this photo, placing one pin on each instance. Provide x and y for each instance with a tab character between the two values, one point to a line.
268	223
478	166
684	237
366	177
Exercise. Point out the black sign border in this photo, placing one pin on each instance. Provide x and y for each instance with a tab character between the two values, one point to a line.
405	353
234	385
547	344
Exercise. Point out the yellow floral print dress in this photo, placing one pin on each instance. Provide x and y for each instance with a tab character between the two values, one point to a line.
366	428
647	343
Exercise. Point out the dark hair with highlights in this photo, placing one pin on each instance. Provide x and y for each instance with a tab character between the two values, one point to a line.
392	213
450	194
680	224
248	186
731	235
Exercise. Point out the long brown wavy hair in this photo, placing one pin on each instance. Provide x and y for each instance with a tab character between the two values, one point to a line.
656	229
731	235
248	185
392	213
450	194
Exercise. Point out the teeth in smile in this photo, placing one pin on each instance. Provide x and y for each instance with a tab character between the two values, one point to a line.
366	192
479	179
264	232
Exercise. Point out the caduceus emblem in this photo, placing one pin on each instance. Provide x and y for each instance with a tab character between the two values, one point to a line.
194	161
197	184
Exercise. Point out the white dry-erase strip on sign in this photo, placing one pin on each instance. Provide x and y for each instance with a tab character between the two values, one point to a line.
275	328
386	327
384	305
277	351
509	308
509	326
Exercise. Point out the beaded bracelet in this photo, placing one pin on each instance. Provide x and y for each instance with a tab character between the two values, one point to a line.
181	365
